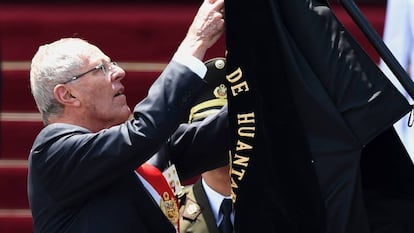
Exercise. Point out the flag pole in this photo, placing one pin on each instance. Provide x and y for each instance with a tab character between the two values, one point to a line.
379	45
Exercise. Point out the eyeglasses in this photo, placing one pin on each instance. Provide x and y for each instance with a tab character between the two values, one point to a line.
105	70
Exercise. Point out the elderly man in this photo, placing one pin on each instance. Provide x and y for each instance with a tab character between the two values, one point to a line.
82	174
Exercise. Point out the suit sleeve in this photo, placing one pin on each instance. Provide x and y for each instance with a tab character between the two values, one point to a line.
199	146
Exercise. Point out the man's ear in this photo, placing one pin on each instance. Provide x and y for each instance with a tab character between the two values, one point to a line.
64	96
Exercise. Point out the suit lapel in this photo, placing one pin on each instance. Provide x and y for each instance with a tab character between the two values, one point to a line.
203	222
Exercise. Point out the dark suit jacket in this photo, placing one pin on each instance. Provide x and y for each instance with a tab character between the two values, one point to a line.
80	181
198	216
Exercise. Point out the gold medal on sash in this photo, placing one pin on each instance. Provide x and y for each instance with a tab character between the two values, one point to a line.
170	208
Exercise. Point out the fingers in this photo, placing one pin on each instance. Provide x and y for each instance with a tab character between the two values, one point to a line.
218	6
206	28
216	9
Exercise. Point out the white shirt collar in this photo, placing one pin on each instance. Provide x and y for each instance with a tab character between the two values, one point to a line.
215	200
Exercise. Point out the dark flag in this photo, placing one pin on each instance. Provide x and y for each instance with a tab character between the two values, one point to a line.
313	147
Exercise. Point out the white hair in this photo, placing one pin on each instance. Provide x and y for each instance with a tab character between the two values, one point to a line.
54	64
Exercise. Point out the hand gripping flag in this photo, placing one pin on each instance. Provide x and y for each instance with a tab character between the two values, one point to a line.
311	115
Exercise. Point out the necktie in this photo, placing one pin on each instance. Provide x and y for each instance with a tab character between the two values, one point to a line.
226	208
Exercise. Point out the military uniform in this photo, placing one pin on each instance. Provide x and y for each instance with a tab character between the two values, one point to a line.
196	214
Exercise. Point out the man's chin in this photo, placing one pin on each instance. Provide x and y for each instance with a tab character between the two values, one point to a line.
125	114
